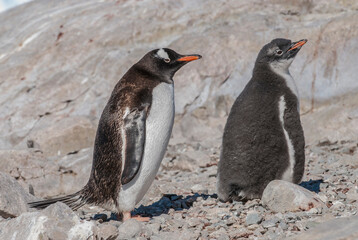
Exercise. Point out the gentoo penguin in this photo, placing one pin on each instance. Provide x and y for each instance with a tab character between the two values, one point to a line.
132	136
263	138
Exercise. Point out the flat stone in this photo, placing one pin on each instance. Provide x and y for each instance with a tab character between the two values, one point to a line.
341	228
253	218
198	188
269	223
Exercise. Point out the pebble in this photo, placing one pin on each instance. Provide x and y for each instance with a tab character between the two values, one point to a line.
253	218
194	214
270	223
283	225
337	206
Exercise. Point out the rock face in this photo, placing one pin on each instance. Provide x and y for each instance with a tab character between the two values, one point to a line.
63	137
337	229
282	196
13	198
47	176
62	60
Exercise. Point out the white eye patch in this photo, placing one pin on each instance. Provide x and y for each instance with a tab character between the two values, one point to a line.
163	54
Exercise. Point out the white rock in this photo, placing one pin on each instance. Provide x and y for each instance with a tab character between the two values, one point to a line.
198	188
57	221
129	229
282	196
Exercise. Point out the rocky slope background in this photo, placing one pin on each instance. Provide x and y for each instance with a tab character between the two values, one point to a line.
59	61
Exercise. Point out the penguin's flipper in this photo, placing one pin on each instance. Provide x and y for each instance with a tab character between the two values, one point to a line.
134	141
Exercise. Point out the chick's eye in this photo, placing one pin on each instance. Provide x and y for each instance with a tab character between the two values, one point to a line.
279	52
166	60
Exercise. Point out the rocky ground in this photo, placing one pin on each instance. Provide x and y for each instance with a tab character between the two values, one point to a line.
182	202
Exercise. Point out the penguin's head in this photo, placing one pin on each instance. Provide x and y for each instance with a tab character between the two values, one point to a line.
279	53
164	62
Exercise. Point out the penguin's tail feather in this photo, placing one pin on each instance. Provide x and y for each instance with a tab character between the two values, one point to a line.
74	201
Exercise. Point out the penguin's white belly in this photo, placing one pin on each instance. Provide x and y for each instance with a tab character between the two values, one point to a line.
288	174
159	126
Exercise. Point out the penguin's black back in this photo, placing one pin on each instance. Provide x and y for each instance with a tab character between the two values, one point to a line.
254	149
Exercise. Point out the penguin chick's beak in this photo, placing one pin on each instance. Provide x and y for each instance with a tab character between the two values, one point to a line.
297	44
189	58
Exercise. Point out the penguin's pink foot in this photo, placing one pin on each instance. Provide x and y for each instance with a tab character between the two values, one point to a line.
127	215
141	219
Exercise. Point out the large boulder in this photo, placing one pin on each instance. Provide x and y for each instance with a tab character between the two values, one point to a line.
13	198
57	221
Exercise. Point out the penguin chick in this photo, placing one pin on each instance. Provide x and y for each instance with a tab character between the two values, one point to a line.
263	138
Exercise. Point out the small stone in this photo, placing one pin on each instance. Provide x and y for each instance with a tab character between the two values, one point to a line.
260	209
323	186
253	218
313	211
253	226
237	212
270	234
323	197
252	203
337	206
279	215
290	217
269	223
129	229
342	195
240	233
283	225
230	221
192	222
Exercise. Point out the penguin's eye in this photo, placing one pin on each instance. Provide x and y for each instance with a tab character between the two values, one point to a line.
279	52
166	60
